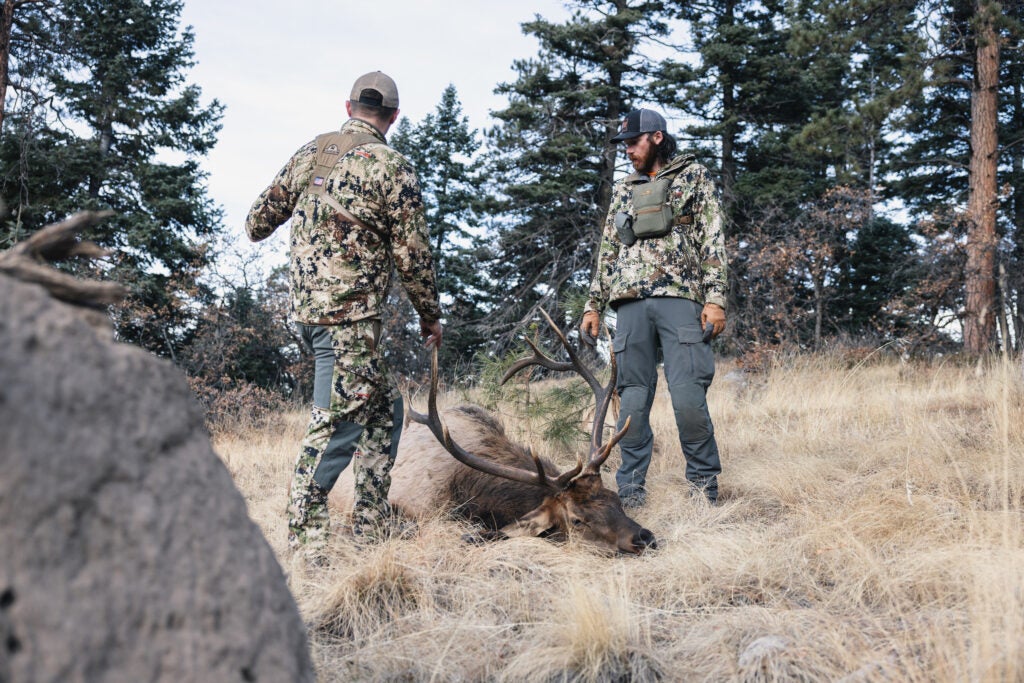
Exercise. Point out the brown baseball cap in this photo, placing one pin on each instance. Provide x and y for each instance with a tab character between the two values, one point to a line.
375	89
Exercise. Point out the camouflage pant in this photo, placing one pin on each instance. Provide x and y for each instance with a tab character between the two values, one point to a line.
356	414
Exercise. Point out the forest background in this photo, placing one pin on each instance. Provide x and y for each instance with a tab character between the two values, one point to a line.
868	152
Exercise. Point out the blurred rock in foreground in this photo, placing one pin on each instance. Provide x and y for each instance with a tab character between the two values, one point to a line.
126	552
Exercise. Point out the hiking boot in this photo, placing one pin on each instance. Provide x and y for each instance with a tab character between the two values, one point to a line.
304	558
402	529
705	488
636	499
315	559
704	496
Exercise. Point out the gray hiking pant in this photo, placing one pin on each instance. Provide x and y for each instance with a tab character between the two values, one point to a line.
673	325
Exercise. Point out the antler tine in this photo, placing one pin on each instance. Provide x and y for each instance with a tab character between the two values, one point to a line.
575	362
570	474
558	483
435	425
538	358
602	393
440	431
603	401
602	453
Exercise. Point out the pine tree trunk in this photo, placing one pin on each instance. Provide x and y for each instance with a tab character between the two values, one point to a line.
730	130
819	311
1016	208
980	276
1004	322
6	22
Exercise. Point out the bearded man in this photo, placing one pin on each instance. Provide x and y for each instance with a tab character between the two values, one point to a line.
662	269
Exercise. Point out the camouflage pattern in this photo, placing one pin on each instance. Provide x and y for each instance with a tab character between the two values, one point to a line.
340	271
688	263
308	520
340	275
362	396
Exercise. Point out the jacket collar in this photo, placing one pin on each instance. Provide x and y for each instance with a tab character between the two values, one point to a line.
360	126
675	165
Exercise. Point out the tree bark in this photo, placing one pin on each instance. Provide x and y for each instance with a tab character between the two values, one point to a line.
980	275
6	28
730	129
1004	322
1016	205
6	23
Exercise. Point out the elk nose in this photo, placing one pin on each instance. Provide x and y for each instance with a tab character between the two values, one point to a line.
644	539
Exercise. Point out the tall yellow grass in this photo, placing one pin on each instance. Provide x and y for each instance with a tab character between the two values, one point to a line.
870	529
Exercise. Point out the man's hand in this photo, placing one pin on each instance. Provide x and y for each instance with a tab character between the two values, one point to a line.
432	333
590	327
714	314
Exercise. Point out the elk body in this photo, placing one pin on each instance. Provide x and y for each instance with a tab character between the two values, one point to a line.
464	462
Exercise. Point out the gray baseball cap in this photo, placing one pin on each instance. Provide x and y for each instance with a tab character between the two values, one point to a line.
375	89
638	122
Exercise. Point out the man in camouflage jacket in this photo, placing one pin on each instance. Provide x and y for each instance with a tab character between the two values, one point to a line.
662	268
356	215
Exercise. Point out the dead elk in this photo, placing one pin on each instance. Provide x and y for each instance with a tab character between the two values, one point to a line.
508	490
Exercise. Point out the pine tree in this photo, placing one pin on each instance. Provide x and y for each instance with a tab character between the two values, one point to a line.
111	112
28	44
982	240
551	162
442	148
740	82
961	135
798	99
881	268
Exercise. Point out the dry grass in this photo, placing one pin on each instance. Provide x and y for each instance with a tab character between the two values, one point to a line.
870	530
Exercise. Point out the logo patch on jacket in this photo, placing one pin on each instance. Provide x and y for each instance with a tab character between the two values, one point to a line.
364	154
331	149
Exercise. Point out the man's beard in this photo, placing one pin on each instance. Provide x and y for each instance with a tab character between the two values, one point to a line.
646	164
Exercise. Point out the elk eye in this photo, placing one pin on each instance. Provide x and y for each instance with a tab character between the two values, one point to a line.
577	522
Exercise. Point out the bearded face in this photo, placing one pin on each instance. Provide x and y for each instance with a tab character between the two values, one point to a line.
643	152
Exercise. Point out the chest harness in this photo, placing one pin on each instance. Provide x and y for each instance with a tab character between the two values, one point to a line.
330	149
653	210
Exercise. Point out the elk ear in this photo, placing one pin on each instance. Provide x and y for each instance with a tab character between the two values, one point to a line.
532	523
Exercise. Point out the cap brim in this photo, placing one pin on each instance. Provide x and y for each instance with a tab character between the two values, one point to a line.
626	136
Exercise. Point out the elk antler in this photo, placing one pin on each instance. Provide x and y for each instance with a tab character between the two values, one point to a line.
27	261
433	421
602	393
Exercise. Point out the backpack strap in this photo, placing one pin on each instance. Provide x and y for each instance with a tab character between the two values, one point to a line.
330	148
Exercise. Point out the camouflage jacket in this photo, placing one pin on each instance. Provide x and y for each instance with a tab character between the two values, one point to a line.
689	262
341	272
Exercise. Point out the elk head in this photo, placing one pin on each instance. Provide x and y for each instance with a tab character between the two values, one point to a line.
576	502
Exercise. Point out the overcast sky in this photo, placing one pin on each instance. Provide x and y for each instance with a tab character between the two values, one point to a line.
283	70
